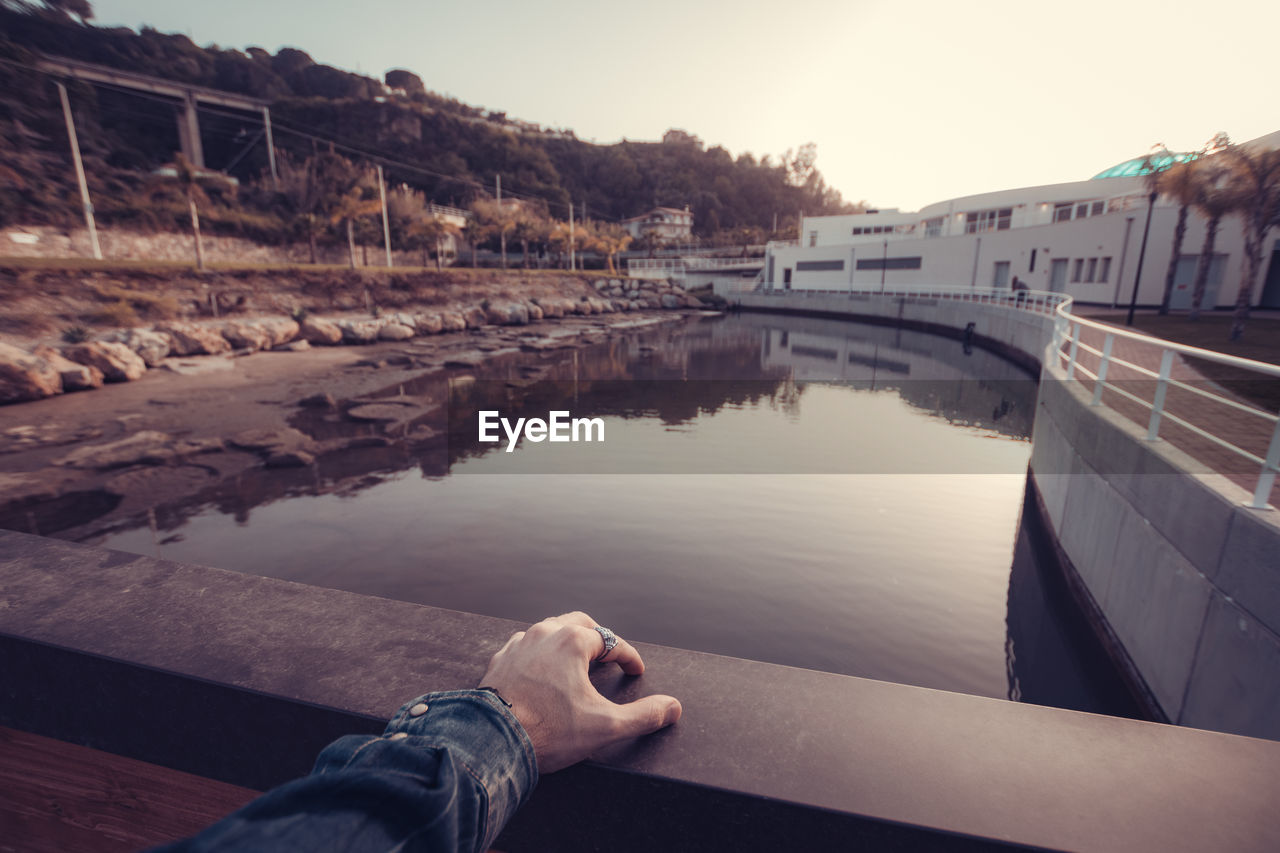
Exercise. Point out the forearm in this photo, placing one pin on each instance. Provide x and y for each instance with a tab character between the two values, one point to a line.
444	777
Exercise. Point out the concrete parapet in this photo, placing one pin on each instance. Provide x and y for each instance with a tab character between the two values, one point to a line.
243	679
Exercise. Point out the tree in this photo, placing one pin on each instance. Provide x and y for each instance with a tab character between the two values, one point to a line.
609	239
299	195
1213	200
354	204
79	8
495	219
1178	182
1254	182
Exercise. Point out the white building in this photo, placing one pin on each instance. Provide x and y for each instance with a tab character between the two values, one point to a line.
670	224
1080	238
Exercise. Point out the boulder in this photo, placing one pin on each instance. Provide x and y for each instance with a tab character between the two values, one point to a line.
428	324
289	459
600	284
451	321
280	330
475	317
670	300
319	400
581	306
395	332
508	314
151	346
292	346
551	307
359	331
535	311
75	377
24	376
142	448
244	335
117	362
317	331
692	301
268	443
194	339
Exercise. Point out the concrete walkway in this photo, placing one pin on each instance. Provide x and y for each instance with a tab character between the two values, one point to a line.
1247	431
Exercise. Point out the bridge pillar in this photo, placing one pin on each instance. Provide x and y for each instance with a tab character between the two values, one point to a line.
189	131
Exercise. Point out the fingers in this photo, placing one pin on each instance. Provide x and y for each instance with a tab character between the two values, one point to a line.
647	715
625	655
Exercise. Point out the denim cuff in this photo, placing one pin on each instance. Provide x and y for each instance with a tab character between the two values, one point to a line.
484	737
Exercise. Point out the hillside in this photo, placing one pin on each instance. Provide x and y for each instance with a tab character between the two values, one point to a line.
450	151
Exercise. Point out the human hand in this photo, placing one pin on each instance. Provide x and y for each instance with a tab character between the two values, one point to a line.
542	673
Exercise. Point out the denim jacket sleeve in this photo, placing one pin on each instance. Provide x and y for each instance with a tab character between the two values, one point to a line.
447	774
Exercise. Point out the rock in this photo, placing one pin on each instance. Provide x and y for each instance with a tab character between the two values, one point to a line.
377	412
670	301
692	301
151	346
290	459
452	322
268	443
508	314
117	362
395	332
292	346
193	339
475	317
24	376
197	366
534	310
75	377
428	324
244	335
581	306
322	332
551	307
600	284
321	400
359	331
280	330
142	448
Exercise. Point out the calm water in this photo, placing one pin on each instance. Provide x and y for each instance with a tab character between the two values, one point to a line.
812	493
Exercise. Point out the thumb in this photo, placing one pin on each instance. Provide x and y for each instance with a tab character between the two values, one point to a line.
649	714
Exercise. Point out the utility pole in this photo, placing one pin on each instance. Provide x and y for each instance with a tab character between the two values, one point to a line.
498	180
271	148
571	257
1142	254
386	225
84	185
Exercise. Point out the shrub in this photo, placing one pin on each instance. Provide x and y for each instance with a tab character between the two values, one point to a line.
75	335
119	313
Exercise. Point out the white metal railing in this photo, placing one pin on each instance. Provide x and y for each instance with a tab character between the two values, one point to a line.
1070	345
1068	348
679	267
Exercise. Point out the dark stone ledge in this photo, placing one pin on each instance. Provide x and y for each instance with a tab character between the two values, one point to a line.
243	679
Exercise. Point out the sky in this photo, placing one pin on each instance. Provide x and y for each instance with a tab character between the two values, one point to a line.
909	103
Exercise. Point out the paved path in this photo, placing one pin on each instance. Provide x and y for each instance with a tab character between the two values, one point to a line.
1247	431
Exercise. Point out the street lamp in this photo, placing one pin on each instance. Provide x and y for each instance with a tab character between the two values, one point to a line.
1142	253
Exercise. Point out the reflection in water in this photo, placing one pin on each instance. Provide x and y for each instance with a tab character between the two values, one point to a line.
736	539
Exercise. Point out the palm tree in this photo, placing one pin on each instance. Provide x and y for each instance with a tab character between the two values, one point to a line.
610	239
1178	182
1214	200
1254	182
349	207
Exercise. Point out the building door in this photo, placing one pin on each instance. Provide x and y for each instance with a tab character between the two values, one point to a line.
1184	280
1058	275
786	278
1271	288
1000	278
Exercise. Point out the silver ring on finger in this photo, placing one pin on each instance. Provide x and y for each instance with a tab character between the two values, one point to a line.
610	641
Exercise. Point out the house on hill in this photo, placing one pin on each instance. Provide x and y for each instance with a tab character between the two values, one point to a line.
669	224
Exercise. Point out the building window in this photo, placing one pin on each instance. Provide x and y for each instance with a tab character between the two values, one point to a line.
1032	266
1082	210
1097	208
1105	272
1061	212
818	266
979	221
813	239
933	227
1092	271
889	263
1078	270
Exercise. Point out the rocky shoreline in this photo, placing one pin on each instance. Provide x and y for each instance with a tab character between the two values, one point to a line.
125	355
210	420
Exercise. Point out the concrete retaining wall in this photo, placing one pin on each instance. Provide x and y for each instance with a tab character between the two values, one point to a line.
1180	575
